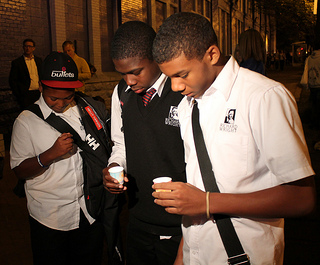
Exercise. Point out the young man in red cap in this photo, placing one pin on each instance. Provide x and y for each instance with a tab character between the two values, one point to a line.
64	227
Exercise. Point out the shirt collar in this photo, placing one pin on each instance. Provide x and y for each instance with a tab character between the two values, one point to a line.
158	85
46	111
28	59
224	81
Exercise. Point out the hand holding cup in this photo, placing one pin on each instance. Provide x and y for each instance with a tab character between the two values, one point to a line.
162	180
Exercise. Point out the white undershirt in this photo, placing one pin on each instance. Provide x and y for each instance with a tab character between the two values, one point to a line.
33	72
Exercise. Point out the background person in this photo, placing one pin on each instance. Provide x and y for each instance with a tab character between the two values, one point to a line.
82	65
282	60
147	144
24	75
252	51
311	80
263	171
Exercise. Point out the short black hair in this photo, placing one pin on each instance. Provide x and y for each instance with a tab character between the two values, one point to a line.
133	39
29	40
184	32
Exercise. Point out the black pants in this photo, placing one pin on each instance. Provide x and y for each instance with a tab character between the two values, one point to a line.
144	248
79	246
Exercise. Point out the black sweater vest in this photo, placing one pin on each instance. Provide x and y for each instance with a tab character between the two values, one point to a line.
153	148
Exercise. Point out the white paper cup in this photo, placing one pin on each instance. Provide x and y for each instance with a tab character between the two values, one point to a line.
161	180
117	173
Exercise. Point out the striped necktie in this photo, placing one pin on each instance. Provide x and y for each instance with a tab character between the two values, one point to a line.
147	96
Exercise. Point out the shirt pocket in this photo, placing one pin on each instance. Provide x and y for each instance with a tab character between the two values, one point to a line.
230	156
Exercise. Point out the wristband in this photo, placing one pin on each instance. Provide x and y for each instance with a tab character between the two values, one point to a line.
39	161
207	204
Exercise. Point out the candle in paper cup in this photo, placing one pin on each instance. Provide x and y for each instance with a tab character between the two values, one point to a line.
161	180
117	173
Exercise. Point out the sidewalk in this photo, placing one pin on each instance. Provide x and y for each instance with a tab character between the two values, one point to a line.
302	234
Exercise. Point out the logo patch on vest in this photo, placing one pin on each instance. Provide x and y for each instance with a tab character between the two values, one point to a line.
94	117
173	119
92	142
229	122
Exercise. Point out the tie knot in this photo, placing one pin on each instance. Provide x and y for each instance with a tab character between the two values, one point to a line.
147	96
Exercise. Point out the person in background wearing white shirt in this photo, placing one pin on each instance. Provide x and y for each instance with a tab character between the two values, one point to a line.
261	161
24	75
311	80
62	229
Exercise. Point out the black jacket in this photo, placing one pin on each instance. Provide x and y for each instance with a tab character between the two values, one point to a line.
19	78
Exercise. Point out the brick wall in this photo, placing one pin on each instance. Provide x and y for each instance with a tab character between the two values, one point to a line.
57	23
49	24
21	19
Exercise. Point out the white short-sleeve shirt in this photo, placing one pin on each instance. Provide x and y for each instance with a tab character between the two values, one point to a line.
54	198
255	141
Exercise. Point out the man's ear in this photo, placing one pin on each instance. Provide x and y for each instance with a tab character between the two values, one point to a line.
213	54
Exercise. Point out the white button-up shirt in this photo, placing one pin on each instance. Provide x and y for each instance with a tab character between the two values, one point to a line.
54	198
262	146
33	73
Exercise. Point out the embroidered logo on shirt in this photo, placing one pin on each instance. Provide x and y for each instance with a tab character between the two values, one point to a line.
229	121
173	117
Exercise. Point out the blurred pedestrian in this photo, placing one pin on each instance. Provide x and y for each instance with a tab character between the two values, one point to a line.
282	57
252	51
272	60
277	60
311	80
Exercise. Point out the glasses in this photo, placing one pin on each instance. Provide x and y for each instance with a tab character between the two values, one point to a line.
28	46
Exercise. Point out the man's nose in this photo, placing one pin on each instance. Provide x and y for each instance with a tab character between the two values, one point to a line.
176	85
130	80
61	103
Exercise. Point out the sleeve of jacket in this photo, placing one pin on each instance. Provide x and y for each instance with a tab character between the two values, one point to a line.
14	83
39	66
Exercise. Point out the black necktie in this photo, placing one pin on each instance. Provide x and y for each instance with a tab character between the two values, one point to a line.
227	232
202	153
